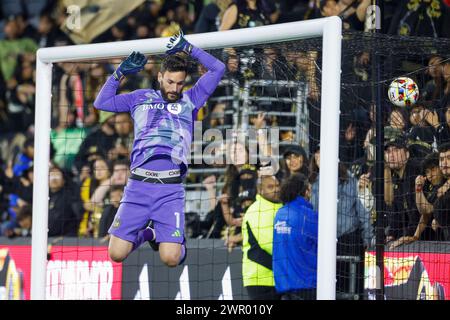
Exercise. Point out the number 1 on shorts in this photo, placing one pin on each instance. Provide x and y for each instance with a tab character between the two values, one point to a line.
177	217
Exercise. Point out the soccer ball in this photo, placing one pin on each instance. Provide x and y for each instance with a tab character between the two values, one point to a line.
403	92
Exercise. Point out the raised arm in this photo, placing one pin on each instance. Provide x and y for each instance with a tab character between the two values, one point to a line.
229	18
364	218
206	85
107	100
422	203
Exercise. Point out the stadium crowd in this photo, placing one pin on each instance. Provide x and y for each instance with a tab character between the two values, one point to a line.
90	149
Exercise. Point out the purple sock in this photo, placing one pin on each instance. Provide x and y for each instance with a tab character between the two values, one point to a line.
147	234
183	253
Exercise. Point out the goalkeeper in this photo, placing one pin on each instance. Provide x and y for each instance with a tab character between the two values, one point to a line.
152	207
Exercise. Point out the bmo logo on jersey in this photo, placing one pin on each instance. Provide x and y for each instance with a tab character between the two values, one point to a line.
152	106
174	108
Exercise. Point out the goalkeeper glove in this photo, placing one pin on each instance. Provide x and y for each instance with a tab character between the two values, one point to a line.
177	43
134	63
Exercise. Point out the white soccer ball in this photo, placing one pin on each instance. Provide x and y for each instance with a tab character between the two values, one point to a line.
403	92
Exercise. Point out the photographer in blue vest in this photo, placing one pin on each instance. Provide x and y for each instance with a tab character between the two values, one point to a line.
295	241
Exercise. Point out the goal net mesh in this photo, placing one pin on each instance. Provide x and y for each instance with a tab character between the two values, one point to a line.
282	81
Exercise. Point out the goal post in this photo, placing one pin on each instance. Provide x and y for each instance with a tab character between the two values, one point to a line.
330	29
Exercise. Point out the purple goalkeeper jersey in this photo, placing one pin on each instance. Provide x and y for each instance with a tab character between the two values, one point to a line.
161	127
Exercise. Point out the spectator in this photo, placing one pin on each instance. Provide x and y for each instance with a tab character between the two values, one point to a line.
120	172
24	187
248	13
305	64
246	196
294	161
26	30
293	10
216	118
397	123
143	32
149	76
421	135
399	184
24	219
48	32
146	14
354	230
351	141
98	142
420	19
272	67
369	140
24	159
121	31
19	179
65	206
181	17
4	120
326	8
210	16
305	67
161	26
234	185
257	231
20	226
426	194
434	88
70	96
64	153
93	78
442	204
124	129
353	13
232	63
10	186
13	46
93	193
443	130
295	241
109	211
22	94
445	100
203	227
3	194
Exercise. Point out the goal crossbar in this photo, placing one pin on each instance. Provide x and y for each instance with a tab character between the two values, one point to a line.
330	29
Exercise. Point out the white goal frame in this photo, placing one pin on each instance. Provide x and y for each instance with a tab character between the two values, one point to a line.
329	28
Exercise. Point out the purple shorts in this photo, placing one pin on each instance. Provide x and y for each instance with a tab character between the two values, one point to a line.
142	202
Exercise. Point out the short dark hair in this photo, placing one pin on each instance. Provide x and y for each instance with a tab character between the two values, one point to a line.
64	173
174	63
444	147
29	142
296	185
121	162
430	161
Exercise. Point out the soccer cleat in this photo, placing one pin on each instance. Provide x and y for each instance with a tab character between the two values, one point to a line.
152	243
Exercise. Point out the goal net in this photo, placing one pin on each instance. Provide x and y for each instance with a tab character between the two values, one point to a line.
313	107
278	70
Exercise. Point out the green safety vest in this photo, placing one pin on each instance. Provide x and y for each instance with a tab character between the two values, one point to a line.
257	232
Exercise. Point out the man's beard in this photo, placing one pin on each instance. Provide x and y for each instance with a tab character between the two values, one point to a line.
165	95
